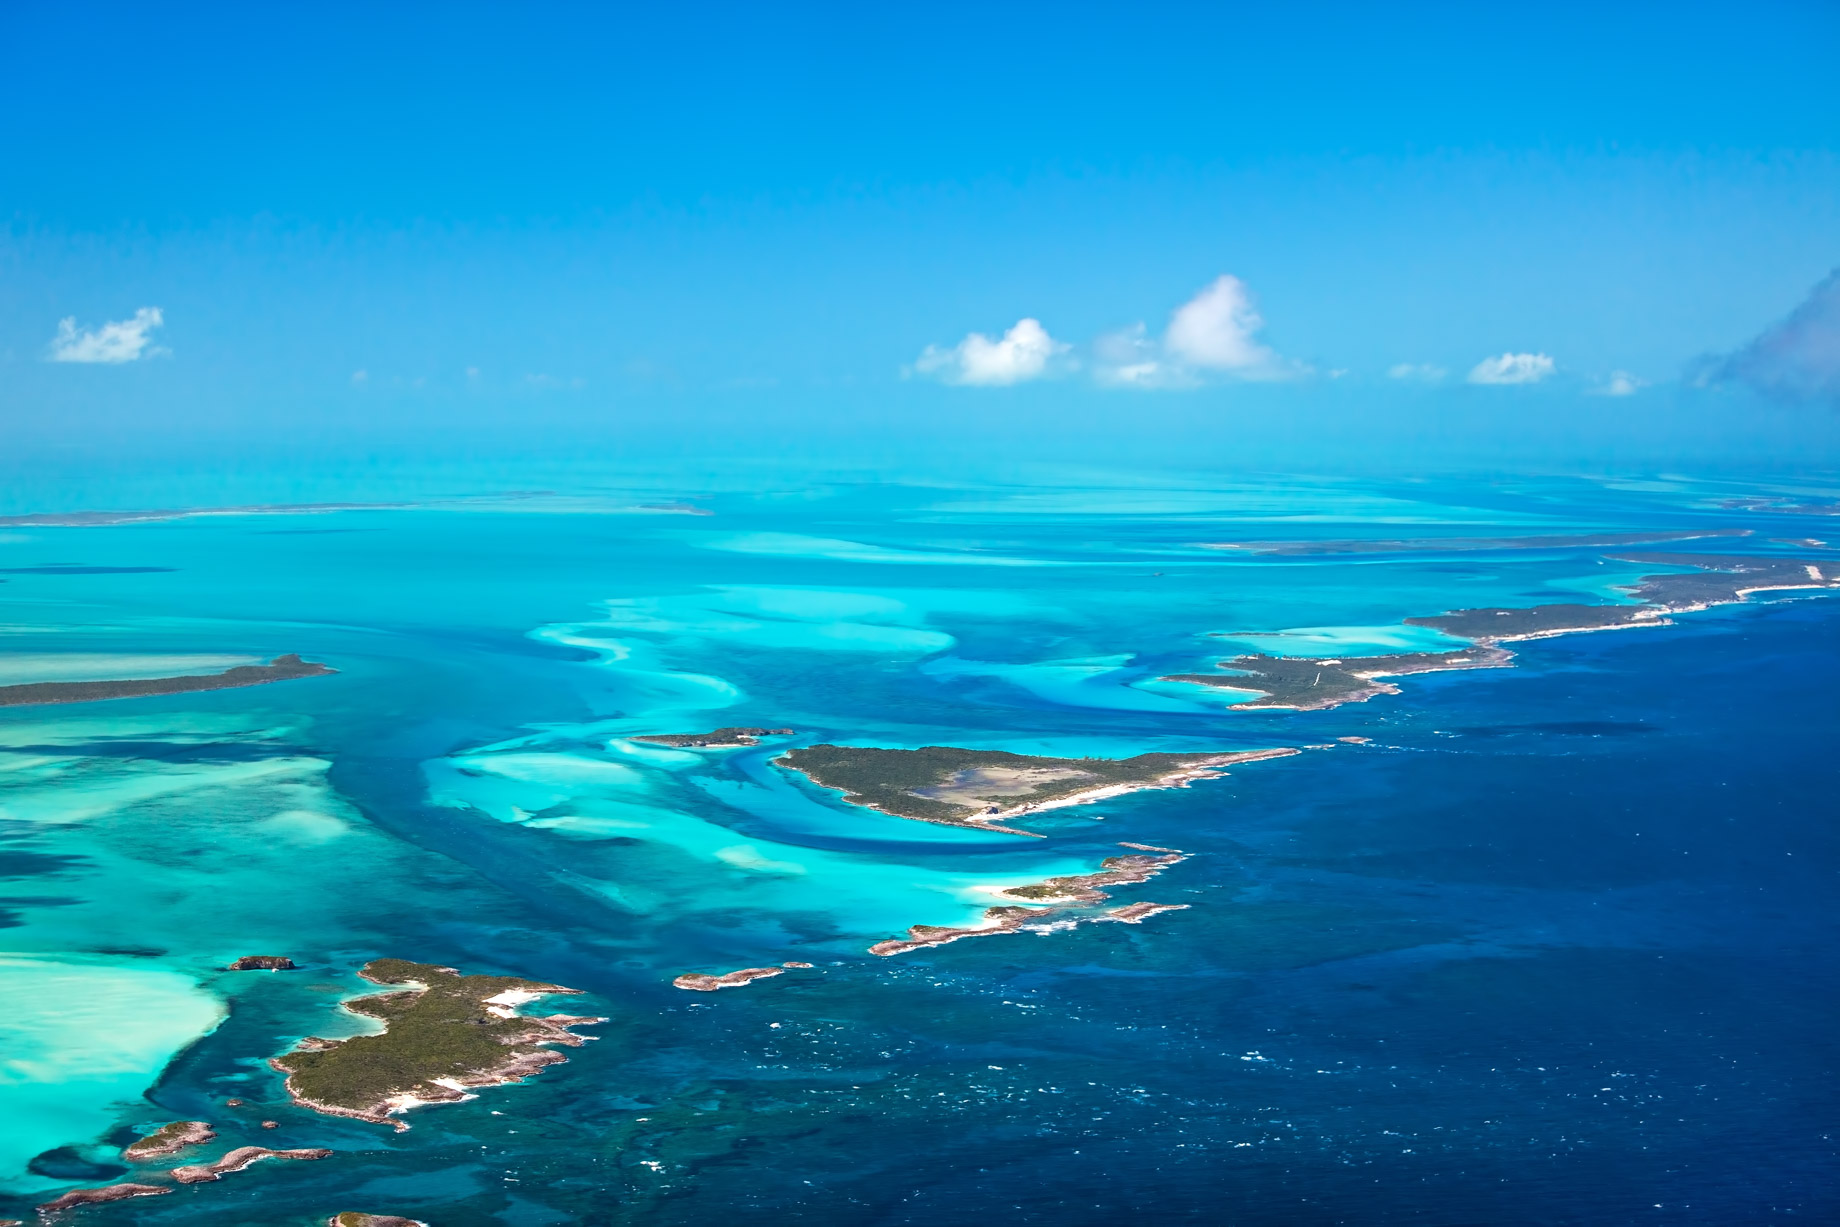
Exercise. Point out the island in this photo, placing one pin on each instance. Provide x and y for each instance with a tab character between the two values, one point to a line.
351	1218
281	669
168	1140
1414	545
719	739
1725	580
444	1033
1491	626
94	1197
1073	899
239	1159
702	982
263	962
1304	683
979	788
1714	580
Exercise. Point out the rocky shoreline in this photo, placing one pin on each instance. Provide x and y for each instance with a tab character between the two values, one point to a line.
1074	899
445	1035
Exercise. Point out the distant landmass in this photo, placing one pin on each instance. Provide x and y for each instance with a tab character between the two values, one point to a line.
1307	684
281	669
1408	545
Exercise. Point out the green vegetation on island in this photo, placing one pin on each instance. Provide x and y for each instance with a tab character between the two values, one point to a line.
168	1140
352	1218
1538	621
959	787
1308	684
280	669
443	1034
716	739
1305	683
1725	579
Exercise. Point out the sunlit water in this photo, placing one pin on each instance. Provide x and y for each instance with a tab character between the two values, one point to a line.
1555	945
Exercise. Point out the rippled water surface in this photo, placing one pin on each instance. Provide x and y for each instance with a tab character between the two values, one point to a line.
1554	944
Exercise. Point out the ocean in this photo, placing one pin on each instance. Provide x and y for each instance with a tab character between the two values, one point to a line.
1548	944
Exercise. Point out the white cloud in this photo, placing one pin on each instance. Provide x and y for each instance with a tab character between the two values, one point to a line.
1620	383
1129	358
1215	332
1512	368
114	342
1024	353
1424	372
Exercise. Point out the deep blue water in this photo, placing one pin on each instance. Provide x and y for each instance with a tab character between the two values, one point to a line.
1556	946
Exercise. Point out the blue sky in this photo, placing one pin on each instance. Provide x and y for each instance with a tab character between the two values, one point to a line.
1433	222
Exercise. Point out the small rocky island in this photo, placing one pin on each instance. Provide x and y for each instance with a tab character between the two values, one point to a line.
980	788
168	1140
101	1196
281	669
1073	900
703	982
444	1034
352	1218
237	1160
263	962
719	739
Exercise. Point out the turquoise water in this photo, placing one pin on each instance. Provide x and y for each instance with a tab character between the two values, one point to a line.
466	790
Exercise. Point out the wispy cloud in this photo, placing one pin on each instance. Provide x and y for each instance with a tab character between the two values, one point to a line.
1620	383
114	342
1422	372
1215	333
1798	360
1512	369
1025	352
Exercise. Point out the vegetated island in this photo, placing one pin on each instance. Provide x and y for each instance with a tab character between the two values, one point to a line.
168	1140
1309	684
352	1218
1412	545
237	1160
718	739
980	788
1304	683
281	669
1073	900
445	1033
263	962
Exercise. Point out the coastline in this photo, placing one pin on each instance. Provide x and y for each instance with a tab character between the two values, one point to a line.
446	1054
1179	773
283	668
1070	901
